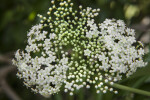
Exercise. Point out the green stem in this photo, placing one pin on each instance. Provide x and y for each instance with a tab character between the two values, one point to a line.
122	87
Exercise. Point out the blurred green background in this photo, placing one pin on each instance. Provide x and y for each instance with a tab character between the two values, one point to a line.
17	16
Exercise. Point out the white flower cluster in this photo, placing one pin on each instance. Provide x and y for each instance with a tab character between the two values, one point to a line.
123	57
39	67
69	49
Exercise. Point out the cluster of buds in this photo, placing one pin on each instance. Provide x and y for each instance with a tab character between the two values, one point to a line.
68	49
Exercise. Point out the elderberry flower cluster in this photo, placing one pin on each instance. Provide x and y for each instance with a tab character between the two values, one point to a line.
68	49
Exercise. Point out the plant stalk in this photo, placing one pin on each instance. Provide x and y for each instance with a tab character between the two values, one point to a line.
122	87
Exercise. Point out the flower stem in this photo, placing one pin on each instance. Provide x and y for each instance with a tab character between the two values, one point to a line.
122	87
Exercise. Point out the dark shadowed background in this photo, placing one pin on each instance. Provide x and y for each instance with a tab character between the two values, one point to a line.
16	18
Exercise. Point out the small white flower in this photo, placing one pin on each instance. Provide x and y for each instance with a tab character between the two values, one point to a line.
90	22
141	51
64	60
52	35
89	34
87	52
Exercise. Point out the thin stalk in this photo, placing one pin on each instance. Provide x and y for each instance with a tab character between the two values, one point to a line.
122	87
